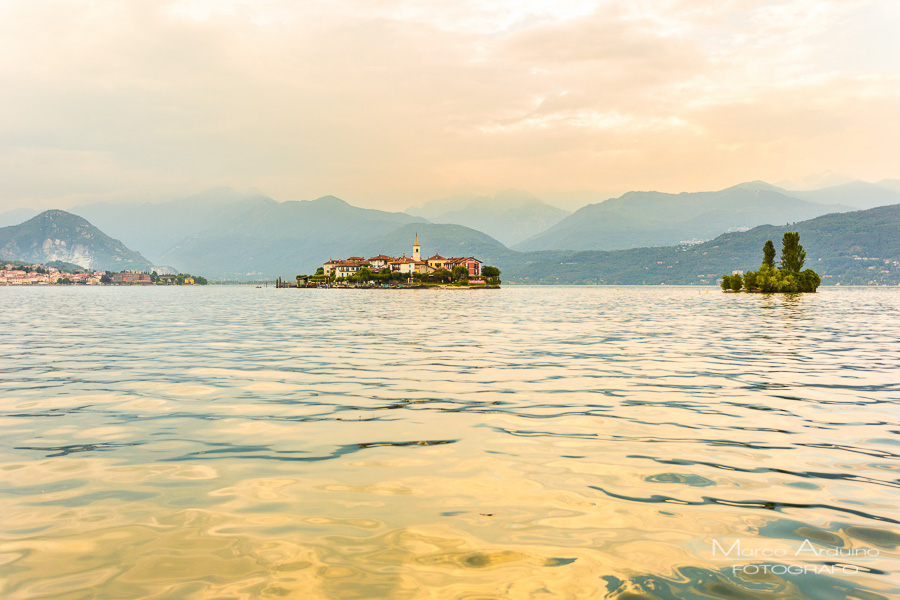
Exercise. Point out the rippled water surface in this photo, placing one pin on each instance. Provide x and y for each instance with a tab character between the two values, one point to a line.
233	442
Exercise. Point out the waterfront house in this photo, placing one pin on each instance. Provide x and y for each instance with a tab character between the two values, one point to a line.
404	265
438	262
131	277
472	264
381	261
345	268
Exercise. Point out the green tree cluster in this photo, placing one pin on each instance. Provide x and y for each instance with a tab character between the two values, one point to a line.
198	280
789	278
732	282
460	274
491	274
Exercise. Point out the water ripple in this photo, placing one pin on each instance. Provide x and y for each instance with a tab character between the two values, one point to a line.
535	442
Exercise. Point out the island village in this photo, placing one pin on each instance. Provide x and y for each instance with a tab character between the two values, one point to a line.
389	271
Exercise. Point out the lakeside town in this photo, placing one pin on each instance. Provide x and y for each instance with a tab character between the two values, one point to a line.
393	272
18	273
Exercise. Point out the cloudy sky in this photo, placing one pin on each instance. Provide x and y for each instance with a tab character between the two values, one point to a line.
388	103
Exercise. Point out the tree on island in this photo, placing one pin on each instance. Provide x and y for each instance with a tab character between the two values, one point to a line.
792	253
769	254
789	278
732	282
460	274
443	276
492	274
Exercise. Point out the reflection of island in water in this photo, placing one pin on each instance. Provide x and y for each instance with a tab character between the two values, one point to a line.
790	278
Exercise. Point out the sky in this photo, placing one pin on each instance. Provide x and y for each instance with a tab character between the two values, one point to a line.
390	103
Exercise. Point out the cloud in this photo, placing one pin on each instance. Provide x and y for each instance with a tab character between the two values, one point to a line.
393	102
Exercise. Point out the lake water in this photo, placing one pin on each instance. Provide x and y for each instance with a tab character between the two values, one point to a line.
233	442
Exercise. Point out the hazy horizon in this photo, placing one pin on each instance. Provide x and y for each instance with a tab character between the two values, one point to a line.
399	103
570	202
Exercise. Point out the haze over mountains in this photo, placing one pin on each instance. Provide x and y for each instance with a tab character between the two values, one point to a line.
436	238
272	237
154	228
857	194
224	234
891	184
510	216
16	216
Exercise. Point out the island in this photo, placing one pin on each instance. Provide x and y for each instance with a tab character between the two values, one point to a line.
789	278
383	271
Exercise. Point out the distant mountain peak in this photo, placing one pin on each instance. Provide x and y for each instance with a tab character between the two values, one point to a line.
856	194
55	215
330	200
816	181
756	184
57	235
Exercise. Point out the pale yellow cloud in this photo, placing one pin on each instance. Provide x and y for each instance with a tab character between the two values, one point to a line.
393	102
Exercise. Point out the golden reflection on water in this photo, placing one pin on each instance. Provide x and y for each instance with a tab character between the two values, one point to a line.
271	537
592	446
193	531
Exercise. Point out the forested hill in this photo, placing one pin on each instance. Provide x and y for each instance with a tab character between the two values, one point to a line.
56	235
854	248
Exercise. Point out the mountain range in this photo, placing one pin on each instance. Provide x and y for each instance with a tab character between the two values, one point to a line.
227	235
642	219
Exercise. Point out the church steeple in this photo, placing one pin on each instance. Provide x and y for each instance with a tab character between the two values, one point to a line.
417	252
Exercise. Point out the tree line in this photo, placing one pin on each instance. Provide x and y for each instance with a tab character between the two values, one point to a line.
790	277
